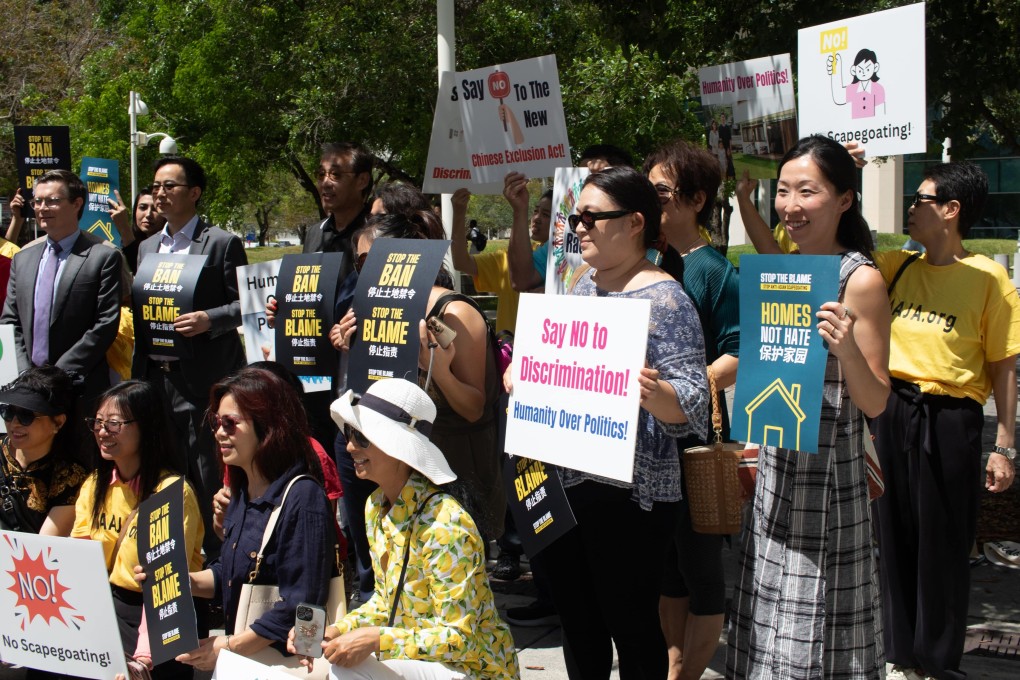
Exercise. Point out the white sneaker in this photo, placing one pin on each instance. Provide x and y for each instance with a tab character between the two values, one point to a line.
902	673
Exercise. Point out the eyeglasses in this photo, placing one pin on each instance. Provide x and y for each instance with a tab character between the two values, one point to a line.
919	197
167	186
666	193
25	416
229	423
359	262
587	218
333	175
112	426
356	436
49	201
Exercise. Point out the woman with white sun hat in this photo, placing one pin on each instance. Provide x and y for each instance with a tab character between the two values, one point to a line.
432	614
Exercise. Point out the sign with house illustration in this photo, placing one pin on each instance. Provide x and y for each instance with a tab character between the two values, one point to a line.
778	397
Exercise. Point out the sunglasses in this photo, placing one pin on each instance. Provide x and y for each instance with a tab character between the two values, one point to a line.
666	193
112	426
919	197
228	423
359	262
587	218
356	436
25	416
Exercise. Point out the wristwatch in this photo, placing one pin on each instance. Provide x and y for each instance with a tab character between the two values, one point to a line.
1007	451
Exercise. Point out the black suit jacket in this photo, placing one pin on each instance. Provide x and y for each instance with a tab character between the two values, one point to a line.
85	313
217	352
340	241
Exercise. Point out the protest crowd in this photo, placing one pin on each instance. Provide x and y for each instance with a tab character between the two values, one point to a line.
854	557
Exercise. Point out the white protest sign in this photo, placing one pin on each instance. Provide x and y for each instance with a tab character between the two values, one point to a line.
230	666
448	167
564	246
576	397
56	612
750	113
8	360
863	80
513	119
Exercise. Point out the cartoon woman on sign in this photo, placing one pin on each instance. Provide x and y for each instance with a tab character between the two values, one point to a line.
864	94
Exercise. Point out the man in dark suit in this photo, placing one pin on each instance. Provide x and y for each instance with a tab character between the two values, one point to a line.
63	296
211	329
345	183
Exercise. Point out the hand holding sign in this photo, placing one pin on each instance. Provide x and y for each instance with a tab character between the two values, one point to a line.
499	87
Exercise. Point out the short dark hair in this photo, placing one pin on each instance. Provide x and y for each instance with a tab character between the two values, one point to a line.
361	160
614	155
632	191
692	168
548	193
141	402
279	419
965	183
58	388
837	166
399	198
75	187
194	175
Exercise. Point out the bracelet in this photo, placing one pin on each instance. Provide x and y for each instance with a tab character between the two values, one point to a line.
228	644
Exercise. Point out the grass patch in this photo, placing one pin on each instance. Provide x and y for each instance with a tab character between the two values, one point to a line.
266	253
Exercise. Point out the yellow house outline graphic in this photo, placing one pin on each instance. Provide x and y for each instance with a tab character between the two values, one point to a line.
103	227
791	396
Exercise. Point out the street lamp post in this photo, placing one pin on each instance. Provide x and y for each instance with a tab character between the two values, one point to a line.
136	107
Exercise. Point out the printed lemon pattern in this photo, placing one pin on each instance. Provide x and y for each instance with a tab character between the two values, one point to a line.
445	612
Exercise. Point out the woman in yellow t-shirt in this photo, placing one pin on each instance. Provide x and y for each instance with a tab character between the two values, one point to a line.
955	339
136	458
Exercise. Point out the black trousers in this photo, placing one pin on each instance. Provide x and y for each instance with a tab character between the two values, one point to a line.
930	451
613	538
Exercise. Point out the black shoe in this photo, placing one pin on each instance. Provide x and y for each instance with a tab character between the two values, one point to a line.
537	613
508	567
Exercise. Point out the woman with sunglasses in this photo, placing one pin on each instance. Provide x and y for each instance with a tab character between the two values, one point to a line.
262	434
464	379
38	467
135	458
618	220
432	614
692	605
807	603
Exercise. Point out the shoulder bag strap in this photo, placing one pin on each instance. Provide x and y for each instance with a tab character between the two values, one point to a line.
274	516
576	275
407	556
899	272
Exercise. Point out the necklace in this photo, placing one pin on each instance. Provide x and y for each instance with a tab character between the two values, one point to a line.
685	251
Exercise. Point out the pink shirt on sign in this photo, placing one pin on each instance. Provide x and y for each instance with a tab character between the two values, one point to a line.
863	102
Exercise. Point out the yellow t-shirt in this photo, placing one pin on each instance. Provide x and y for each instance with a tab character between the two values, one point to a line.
119	502
494	277
783	240
949	322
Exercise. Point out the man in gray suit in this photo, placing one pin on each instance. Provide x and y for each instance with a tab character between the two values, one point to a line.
211	330
63	297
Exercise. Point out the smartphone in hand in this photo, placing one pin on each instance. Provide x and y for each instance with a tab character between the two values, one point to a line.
309	627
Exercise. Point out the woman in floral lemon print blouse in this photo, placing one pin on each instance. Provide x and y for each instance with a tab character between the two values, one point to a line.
432	614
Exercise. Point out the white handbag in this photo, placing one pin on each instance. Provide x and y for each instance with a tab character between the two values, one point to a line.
256	600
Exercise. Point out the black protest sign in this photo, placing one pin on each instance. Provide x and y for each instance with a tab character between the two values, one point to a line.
391	297
537	502
305	294
38	149
166	592
163	290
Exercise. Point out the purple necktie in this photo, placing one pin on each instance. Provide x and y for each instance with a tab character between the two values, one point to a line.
44	301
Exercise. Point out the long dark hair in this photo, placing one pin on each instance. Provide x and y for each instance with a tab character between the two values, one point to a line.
837	166
278	417
632	191
141	402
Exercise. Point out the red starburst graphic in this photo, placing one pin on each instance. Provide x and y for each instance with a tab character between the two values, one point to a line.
38	588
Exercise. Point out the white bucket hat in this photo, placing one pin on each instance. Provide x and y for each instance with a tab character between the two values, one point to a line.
397	415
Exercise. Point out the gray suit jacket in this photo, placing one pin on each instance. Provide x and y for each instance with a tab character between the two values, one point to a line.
218	352
85	313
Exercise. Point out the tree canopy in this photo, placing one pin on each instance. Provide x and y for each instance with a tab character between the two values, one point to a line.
251	89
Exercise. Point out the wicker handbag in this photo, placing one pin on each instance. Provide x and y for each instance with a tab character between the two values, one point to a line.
719	477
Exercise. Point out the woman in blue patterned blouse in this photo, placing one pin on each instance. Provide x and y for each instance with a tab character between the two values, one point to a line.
624	528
